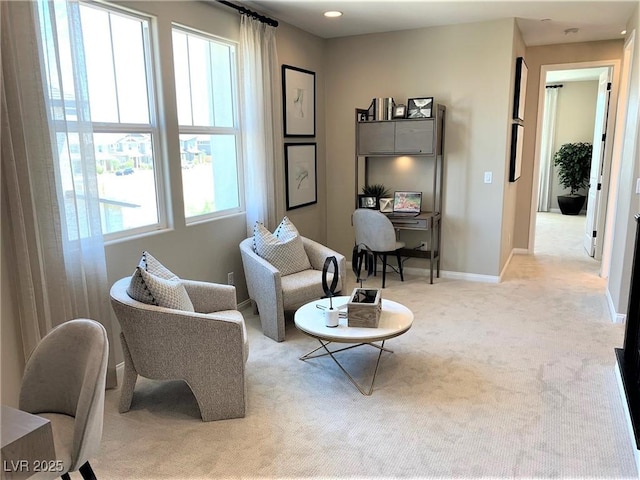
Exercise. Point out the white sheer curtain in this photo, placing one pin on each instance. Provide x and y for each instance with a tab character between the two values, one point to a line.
546	148
50	196
260	122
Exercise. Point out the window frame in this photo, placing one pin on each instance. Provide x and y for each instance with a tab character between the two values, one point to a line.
234	130
149	40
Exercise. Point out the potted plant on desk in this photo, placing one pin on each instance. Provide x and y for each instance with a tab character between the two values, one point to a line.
574	163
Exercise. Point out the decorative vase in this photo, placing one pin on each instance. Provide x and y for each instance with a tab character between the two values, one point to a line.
571	204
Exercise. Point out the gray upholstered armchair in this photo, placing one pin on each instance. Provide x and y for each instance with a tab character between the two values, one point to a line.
272	293
207	348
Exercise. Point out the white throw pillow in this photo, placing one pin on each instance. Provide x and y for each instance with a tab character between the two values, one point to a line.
284	249
153	288
154	267
168	293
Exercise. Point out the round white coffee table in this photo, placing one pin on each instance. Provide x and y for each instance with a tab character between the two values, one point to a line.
395	319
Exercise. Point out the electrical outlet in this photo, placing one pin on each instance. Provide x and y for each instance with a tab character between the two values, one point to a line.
230	279
423	245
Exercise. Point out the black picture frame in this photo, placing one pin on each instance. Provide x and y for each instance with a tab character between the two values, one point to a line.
298	102
520	89
367	201
515	165
420	107
362	115
399	111
301	174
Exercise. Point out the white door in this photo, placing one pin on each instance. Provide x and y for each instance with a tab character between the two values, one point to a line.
594	198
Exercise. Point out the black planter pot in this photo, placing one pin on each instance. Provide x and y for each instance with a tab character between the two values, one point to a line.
571	204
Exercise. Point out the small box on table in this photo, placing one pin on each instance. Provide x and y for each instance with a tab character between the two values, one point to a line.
364	307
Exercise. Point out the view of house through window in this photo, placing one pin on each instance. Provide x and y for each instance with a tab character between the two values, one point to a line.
119	101
205	93
117	57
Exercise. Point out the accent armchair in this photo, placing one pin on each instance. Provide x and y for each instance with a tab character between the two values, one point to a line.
207	348
273	293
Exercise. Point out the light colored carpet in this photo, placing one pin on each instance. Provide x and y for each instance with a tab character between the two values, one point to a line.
514	380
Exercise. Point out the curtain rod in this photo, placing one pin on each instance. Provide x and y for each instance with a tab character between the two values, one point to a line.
246	11
554	86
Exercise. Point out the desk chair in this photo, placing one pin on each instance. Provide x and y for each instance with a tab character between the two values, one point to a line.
64	382
376	231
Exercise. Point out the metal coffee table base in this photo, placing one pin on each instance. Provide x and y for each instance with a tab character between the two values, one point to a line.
323	345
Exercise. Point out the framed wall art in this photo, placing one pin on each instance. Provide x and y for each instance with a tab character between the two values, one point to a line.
517	133
420	107
520	89
299	102
300	169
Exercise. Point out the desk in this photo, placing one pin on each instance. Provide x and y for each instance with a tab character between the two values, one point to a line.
427	222
27	445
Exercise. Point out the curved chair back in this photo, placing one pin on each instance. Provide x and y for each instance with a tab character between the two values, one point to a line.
66	374
374	229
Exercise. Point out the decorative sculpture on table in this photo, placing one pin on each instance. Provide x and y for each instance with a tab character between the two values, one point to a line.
365	304
332	315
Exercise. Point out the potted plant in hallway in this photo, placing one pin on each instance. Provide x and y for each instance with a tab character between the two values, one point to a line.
574	163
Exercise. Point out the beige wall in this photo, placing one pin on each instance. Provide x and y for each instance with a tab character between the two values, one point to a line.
575	121
628	202
536	57
511	188
469	69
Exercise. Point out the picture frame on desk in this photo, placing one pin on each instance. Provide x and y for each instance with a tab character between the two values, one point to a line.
399	111
362	115
420	107
367	201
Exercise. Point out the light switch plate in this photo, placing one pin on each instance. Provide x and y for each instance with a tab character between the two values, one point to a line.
488	177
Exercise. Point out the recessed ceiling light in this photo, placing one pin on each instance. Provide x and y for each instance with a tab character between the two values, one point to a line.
623	32
332	14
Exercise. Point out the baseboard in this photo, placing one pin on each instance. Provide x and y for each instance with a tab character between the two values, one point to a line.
120	372
613	314
521	251
425	272
557	210
246	303
506	265
470	277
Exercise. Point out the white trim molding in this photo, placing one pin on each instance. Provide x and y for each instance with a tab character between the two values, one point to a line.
615	316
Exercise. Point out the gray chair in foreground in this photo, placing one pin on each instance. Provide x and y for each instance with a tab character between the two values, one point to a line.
64	382
376	231
207	348
272	293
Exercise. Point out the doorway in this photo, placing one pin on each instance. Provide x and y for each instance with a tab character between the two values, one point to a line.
573	107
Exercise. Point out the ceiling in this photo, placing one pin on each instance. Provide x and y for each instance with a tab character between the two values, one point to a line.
542	22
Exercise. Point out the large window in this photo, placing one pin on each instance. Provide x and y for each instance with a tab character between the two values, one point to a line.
207	116
122	104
